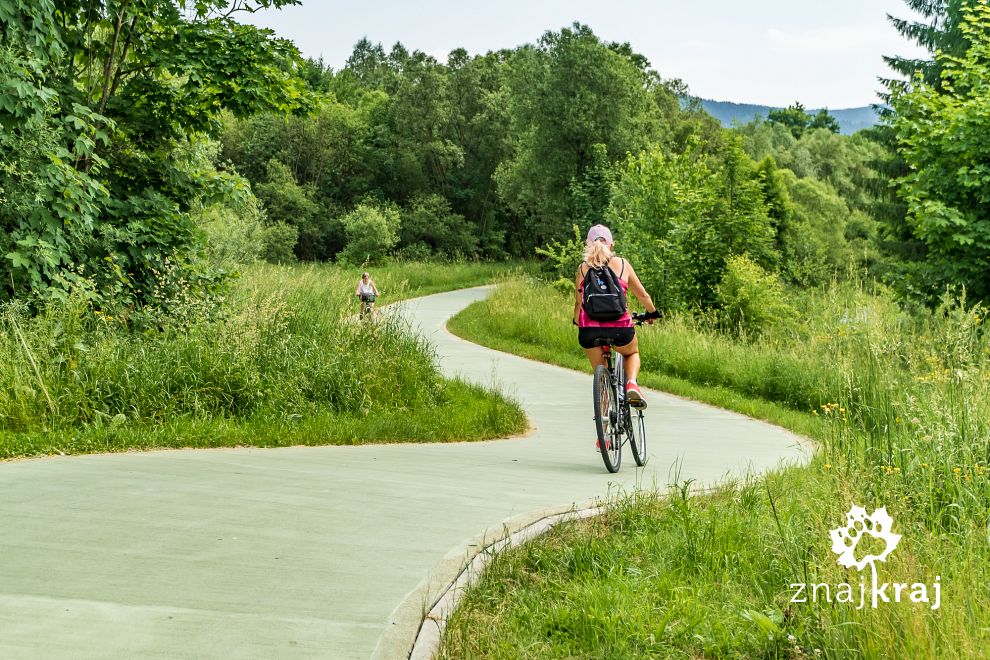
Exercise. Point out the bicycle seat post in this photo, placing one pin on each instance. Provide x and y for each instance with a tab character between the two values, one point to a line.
607	354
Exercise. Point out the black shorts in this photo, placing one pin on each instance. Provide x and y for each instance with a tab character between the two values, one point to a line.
619	336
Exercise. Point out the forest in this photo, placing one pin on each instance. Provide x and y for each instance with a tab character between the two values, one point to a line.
168	136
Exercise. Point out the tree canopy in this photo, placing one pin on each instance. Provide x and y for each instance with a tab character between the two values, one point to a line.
944	136
104	108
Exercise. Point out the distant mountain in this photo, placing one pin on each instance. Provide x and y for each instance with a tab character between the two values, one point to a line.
850	119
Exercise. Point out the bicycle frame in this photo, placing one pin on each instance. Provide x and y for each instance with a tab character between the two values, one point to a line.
617	373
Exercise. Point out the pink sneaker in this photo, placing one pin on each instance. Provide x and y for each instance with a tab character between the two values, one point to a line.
634	396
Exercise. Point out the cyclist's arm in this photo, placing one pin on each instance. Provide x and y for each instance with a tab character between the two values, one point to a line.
357	289
374	287
578	281
638	290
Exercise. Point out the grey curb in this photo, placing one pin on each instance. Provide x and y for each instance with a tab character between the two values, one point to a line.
430	632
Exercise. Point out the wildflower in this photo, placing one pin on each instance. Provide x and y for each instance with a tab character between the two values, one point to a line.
957	470
828	466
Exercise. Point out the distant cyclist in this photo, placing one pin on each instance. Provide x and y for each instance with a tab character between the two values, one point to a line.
366	291
599	257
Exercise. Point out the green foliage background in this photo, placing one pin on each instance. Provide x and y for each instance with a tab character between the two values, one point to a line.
106	110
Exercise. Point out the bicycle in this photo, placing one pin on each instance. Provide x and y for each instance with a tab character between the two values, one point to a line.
367	305
615	420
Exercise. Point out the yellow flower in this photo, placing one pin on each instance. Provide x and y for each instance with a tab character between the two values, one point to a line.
828	466
957	470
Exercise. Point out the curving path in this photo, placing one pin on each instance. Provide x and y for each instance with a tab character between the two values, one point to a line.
314	552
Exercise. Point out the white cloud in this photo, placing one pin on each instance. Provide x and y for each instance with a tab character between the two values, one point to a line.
833	39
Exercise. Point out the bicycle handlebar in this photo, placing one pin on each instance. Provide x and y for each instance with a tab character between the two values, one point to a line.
639	319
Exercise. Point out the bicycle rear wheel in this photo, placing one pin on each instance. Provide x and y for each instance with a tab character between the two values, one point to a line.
607	419
636	431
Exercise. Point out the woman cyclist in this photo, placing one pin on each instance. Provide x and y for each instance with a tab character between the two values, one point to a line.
366	292
599	253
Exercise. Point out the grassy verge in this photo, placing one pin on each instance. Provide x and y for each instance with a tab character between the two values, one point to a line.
900	407
281	364
467	412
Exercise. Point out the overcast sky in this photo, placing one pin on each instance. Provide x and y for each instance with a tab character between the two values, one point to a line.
773	52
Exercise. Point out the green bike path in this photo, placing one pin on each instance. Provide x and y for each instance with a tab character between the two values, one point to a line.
315	552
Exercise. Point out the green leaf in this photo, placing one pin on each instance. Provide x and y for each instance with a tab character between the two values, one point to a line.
18	260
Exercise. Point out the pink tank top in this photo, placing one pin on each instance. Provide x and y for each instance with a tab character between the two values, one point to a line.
624	321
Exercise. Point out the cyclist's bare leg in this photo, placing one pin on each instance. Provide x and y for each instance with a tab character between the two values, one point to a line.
595	356
630	353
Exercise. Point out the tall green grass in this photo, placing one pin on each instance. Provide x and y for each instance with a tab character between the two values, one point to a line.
285	351
900	406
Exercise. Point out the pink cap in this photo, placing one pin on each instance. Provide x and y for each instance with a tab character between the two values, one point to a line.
599	231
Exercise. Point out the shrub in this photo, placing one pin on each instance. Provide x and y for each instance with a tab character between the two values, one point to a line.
371	234
279	241
751	299
234	236
562	261
284	199
414	252
429	221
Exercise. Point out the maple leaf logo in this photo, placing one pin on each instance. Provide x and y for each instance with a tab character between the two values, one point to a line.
845	539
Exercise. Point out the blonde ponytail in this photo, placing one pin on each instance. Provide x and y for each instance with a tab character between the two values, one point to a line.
598	254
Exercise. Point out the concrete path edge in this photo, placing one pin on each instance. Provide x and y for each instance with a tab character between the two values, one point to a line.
417	624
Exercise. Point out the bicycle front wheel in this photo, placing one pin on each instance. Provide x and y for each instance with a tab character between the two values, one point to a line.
607	419
637	436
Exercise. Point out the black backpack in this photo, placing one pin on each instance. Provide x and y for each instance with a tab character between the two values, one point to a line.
603	298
